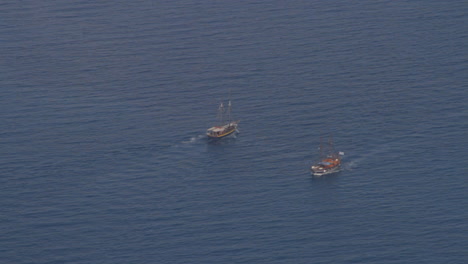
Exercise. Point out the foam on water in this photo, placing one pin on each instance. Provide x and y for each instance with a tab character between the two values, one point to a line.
194	139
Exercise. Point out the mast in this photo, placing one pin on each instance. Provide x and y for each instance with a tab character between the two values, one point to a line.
229	112
331	150
229	108
330	144
221	114
321	149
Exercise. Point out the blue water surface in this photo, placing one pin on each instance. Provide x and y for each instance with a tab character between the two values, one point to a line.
104	106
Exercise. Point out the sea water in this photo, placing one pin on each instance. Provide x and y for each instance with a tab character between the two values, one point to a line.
104	108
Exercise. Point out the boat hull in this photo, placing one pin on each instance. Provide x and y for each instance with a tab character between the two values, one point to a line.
230	130
326	166
320	172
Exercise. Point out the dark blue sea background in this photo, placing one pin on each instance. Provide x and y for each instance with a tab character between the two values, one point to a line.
104	107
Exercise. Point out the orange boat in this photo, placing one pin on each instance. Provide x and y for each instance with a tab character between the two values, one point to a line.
226	127
330	160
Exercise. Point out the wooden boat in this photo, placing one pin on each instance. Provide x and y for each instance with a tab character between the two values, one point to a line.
226	126
330	160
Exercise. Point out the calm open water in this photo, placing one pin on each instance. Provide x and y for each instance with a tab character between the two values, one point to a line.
104	105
